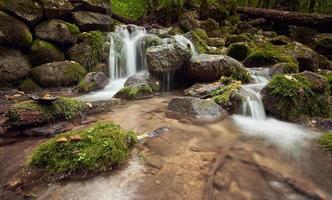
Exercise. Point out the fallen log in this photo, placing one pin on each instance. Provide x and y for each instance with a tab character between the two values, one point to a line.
314	20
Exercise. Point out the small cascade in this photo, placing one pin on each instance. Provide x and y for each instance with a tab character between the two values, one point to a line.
185	42
253	105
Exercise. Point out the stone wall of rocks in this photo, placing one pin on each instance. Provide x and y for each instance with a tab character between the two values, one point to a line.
52	42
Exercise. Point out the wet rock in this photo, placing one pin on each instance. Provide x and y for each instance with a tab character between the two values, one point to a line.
92	81
200	90
57	8
54	74
50	129
196	108
239	51
29	11
209	68
88	21
28	85
102	106
131	92
100	6
150	41
167	62
323	45
44	52
13	65
237	38
211	27
323	123
13	32
90	50
58	31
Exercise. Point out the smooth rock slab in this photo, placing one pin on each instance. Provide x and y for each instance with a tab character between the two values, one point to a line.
57	8
88	21
195	108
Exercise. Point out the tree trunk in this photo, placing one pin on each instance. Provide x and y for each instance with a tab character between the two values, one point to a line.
318	21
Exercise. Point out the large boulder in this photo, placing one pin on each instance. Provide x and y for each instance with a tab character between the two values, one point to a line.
13	32
195	108
54	74
308	59
294	96
29	11
138	86
209	68
58	31
88	21
239	51
57	8
13	65
92	81
90	50
44	52
101	6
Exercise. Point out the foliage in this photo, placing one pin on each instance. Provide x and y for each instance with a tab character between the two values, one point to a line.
326	141
228	94
95	149
296	97
133	9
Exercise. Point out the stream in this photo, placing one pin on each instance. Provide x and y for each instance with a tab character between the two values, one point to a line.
245	156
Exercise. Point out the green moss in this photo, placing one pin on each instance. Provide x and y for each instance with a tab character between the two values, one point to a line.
133	9
28	85
269	54
61	108
290	68
326	141
133	92
237	73
72	28
239	51
296	97
83	86
75	72
227	95
200	37
98	149
44	52
244	37
234	19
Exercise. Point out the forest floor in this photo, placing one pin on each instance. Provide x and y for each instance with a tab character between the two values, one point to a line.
188	160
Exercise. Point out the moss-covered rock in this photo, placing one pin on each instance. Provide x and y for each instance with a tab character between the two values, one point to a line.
14	32
323	45
55	74
211	27
90	50
29	11
57	31
32	113
44	52
59	9
132	9
292	96
216	41
228	96
101	6
239	51
132	92
237	38
284	68
92	81
87	151
28	85
267	55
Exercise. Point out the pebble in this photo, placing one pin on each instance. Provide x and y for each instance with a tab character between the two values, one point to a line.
158	182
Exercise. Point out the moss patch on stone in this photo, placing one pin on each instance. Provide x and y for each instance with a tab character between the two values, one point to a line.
239	51
28	85
135	91
72	28
91	150
297	96
133	9
326	141
83	86
44	52
75	72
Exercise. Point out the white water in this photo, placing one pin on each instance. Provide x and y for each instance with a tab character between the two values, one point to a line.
290	138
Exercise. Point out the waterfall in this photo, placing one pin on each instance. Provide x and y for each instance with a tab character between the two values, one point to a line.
186	43
253	105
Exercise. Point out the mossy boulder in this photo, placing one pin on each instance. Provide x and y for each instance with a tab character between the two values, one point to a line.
323	45
308	59
267	55
89	151
284	68
90	50
28	85
13	65
228	96
55	74
14	32
216	41
195	108
92	81
239	51
59	9
290	97
58	31
150	41
30	113
44	52
89	21
237	38
28	11
209	68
